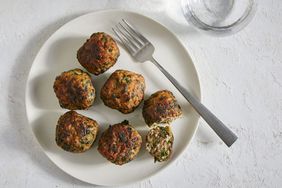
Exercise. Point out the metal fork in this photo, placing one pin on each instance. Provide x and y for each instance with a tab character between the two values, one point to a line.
142	50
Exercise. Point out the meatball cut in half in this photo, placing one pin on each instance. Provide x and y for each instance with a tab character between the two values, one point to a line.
124	91
98	53
159	141
120	143
161	107
76	133
74	90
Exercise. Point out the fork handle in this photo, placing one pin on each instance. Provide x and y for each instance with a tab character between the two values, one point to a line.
226	135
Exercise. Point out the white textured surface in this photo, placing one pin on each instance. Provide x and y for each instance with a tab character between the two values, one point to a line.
241	79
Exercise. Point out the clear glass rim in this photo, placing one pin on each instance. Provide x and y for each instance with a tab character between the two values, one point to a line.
233	27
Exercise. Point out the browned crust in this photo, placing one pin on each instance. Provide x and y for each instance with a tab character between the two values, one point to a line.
98	53
120	143
161	107
123	91
76	133
74	90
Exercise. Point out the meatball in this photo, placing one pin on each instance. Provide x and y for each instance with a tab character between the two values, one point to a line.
74	90
76	133
120	143
159	141
124	91
98	53
161	107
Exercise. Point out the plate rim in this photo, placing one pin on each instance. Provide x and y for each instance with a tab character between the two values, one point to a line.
124	12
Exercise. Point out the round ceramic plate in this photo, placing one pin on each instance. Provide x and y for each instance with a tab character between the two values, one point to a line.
58	54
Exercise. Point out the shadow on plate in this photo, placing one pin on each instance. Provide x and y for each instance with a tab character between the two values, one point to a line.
62	54
42	93
98	82
44	129
143	154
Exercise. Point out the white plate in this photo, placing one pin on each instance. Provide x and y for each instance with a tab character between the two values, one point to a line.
59	54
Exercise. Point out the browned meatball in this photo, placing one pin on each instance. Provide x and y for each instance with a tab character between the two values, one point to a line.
124	91
120	143
161	107
159	141
98	53
74	90
76	133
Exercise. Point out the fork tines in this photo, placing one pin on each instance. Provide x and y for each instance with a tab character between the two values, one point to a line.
129	36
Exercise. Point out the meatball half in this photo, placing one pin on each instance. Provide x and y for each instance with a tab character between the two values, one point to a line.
161	107
120	143
76	133
123	91
74	89
98	53
159	141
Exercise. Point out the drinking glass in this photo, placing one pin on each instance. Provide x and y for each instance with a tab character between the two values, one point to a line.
219	17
